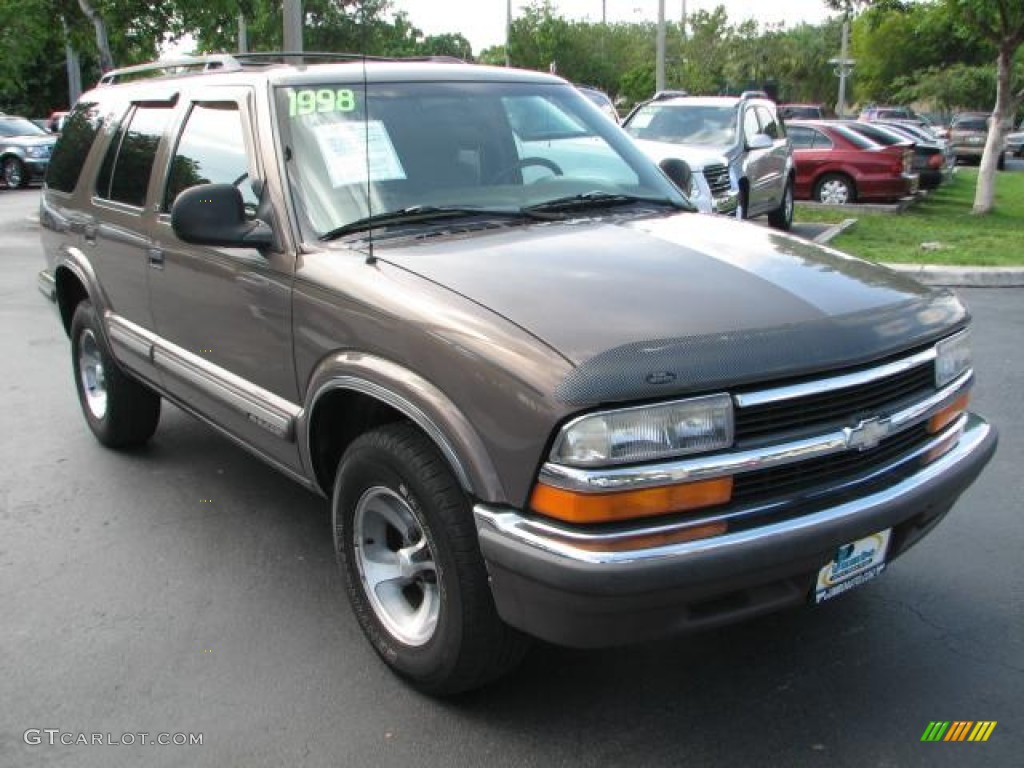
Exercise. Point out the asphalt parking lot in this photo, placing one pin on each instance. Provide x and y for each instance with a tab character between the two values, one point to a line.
187	589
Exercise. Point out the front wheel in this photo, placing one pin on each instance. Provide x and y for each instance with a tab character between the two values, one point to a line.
14	173
406	542
782	217
120	411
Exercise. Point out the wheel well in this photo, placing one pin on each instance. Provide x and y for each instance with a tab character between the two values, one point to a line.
70	292
339	417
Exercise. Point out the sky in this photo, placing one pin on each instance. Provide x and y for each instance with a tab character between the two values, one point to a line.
482	22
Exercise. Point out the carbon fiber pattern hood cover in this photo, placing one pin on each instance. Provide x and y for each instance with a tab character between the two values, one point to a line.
649	305
730	360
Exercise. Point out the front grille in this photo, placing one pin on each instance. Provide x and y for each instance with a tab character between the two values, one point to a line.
805	477
717	177
842	407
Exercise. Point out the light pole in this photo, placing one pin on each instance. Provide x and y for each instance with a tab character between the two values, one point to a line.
659	65
508	32
843	67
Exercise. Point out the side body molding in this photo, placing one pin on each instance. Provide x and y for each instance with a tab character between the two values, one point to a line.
417	399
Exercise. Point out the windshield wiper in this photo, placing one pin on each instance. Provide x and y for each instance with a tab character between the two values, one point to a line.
598	200
416	213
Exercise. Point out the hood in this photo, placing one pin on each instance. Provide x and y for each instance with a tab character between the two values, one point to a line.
680	301
29	141
697	157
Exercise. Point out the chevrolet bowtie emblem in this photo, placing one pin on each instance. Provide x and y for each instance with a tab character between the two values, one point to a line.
867	434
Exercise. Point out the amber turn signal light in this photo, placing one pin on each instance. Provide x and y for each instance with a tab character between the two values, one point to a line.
948	415
573	507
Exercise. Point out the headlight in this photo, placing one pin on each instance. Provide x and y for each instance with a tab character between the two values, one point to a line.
953	357
646	433
42	151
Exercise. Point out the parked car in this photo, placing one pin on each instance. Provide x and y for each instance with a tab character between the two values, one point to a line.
837	165
803	112
932	162
24	151
875	113
543	400
601	99
1015	141
55	123
968	133
745	131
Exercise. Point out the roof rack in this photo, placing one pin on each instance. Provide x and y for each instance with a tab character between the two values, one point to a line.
673	93
754	95
232	62
224	62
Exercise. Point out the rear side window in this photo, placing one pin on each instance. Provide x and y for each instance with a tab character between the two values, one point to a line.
73	146
211	151
128	164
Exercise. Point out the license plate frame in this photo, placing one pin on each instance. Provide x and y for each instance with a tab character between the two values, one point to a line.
852	564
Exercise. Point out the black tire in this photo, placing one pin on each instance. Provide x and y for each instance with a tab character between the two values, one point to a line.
742	204
14	174
467	645
782	217
130	411
829	187
1001	165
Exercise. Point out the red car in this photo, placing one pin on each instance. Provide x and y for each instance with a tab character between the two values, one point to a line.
837	165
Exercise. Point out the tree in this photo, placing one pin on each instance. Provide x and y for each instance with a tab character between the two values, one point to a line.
1001	24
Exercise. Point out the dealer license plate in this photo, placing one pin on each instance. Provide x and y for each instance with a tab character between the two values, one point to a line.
853	564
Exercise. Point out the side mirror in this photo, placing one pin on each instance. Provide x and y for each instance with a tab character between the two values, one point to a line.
678	171
760	141
214	214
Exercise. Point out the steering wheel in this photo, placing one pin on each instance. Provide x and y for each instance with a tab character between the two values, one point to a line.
526	162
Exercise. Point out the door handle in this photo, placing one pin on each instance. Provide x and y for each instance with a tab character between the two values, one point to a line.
156	257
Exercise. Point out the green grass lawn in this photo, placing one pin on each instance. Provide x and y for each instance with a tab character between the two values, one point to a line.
943	217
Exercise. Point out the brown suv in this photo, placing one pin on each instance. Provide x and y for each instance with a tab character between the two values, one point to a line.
542	396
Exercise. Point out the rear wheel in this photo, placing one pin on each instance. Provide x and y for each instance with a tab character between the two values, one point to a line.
405	539
782	217
1001	165
835	189
120	411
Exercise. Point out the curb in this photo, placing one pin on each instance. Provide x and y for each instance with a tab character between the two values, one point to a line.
834	231
963	277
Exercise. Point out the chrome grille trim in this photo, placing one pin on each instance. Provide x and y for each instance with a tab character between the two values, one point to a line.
845	381
605	479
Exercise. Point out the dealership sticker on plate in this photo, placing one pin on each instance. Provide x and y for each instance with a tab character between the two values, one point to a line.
853	564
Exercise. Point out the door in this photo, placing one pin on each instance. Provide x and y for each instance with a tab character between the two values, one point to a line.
776	160
223	315
115	233
756	165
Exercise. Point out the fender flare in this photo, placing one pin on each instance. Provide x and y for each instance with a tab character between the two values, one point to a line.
415	398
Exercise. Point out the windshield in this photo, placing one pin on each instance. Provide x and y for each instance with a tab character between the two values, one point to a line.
20	126
354	153
713	126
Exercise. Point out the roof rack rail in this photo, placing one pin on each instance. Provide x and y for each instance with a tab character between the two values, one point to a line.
232	62
754	95
224	62
669	93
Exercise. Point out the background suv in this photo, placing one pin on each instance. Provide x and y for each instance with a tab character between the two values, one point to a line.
746	132
968	133
24	150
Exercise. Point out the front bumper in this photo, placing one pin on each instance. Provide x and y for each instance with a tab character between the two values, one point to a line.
36	168
47	285
564	589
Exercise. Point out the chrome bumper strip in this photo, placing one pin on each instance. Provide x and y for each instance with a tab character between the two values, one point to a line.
47	285
615	548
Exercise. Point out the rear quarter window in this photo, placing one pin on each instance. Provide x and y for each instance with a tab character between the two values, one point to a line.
80	131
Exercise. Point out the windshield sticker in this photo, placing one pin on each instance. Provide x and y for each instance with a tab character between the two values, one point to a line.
358	152
309	101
